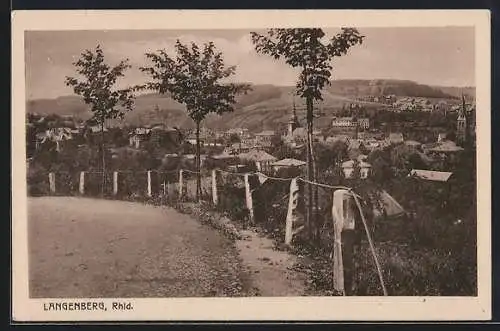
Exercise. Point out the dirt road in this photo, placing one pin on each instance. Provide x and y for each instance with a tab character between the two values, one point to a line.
100	248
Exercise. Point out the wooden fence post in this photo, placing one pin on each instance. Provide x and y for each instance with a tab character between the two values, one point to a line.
214	187
149	183
82	182
249	201
115	182
180	184
290	216
52	182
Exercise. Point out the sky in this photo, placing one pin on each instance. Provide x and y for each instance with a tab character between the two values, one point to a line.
436	56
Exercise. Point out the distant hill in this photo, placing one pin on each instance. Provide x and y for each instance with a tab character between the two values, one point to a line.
468	91
260	109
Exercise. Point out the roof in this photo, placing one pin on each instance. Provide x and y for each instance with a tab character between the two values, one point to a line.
395	136
97	128
391	206
362	157
412	143
221	156
354	144
342	118
266	133
446	146
299	132
337	138
438	176
289	163
257	155
350	164
235	130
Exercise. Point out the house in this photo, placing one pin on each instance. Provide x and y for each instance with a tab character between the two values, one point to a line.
395	138
335	138
94	129
261	159
57	135
348	168
436	176
445	147
343	122
138	136
441	137
413	144
264	138
287	163
240	132
190	159
364	123
371	144
241	147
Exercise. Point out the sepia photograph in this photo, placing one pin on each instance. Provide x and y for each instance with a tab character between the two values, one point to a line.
286	161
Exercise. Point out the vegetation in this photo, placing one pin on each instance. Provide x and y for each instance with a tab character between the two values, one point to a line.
419	252
303	49
195	78
96	85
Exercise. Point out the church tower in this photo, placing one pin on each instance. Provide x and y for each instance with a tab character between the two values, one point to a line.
293	123
462	124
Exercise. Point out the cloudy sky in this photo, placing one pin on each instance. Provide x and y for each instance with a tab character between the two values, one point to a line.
435	56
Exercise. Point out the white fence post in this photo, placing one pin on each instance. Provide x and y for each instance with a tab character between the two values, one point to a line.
292	204
214	187
149	183
115	182
82	182
249	201
52	182
180	184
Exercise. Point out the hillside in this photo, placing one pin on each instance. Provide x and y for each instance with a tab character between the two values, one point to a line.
261	108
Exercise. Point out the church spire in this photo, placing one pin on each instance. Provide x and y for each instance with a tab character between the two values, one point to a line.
293	123
462	123
463	105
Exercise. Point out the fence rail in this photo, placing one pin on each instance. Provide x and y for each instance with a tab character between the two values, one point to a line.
254	196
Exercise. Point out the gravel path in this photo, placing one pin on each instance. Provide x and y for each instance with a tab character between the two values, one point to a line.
272	271
100	248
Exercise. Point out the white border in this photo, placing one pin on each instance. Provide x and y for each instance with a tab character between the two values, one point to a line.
257	308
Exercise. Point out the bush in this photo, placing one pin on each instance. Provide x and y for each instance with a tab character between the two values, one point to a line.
232	199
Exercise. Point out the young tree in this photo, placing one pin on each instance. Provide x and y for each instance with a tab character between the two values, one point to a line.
195	78
304	49
96	85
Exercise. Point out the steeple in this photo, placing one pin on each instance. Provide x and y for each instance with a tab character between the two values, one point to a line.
293	123
462	123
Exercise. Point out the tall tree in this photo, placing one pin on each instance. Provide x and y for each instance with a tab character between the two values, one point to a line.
304	49
195	77
96	84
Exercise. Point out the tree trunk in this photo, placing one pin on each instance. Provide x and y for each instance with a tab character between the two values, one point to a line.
315	190
198	163
310	174
103	182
